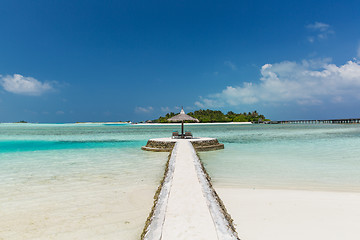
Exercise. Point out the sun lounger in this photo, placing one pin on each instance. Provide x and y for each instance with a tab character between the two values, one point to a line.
175	135
188	135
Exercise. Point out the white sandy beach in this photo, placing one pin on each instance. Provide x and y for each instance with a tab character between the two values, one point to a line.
261	214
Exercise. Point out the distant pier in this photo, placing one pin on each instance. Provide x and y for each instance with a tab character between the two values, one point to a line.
328	121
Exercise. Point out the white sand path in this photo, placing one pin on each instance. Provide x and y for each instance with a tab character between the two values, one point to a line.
187	214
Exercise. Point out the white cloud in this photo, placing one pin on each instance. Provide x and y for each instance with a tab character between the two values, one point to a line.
60	112
307	83
319	26
165	109
321	31
19	84
144	109
170	109
231	65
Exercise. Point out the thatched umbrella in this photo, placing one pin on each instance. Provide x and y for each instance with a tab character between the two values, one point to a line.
181	117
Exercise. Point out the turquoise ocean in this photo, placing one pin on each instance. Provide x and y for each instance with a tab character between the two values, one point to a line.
80	167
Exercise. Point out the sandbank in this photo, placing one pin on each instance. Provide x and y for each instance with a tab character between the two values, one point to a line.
261	214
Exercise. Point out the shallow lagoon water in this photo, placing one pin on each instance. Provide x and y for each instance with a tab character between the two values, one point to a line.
75	182
68	181
312	157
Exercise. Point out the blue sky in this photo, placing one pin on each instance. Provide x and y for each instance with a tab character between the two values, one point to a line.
68	61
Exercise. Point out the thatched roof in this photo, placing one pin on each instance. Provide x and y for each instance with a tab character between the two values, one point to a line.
182	117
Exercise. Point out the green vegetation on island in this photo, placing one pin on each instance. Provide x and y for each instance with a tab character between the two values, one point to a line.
209	116
22	121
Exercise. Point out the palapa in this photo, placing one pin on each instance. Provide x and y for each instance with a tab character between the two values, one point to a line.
181	117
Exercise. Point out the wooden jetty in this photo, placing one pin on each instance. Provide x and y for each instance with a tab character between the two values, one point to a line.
327	121
186	206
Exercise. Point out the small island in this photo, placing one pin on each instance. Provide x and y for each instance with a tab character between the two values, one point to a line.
216	116
22	121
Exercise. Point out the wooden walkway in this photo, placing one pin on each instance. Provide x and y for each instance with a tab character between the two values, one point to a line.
187	215
187	207
328	121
